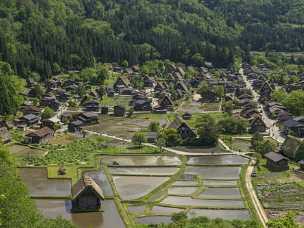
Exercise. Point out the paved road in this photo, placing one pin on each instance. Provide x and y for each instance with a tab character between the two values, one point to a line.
273	129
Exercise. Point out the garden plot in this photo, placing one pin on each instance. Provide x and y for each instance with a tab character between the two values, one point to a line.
134	187
191	107
154	220
221	193
183	201
125	127
288	196
154	171
223	214
108	218
182	190
142	160
38	184
217	160
211	172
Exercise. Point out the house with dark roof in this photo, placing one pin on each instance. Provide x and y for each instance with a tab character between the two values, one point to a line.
91	106
30	109
257	125
29	119
148	81
119	110
42	135
166	103
183	129
276	162
75	126
51	102
142	105
87	196
294	127
121	82
88	117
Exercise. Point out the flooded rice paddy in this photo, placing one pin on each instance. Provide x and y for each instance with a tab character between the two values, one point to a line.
223	214
106	219
133	187
38	184
188	201
142	160
217	160
182	190
154	220
211	172
156	171
208	187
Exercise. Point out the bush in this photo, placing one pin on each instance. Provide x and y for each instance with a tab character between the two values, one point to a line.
47	113
138	139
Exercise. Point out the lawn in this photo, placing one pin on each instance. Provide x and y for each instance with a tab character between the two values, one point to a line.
62	139
71	172
216	115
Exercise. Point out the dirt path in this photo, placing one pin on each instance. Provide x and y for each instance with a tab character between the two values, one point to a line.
258	207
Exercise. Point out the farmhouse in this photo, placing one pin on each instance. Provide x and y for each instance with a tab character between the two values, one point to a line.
121	83
142	105
40	136
119	110
88	117
166	102
87	196
29	119
91	106
29	109
75	126
182	128
276	162
257	125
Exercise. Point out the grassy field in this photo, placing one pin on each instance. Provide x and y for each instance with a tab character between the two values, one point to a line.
116	100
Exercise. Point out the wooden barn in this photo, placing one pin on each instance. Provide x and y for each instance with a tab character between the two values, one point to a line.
276	162
87	196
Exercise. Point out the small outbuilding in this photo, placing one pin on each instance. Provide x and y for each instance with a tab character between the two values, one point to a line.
42	135
87	196
276	162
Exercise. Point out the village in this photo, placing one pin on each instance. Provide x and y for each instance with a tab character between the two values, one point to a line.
142	147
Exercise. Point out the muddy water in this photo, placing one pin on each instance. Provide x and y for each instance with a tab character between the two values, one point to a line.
107	219
163	171
188	201
154	220
223	214
40	186
133	187
101	179
192	149
217	160
225	173
137	209
181	190
142	160
185	183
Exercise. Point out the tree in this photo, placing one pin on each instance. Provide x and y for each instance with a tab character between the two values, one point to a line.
38	91
125	63
232	125
161	142
171	137
154	127
47	113
138	139
256	139
207	130
11	88
228	107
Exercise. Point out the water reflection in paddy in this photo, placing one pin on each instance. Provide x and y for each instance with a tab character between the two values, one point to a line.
142	160
133	187
106	219
211	172
223	214
154	220
188	201
221	193
217	160
163	171
38	184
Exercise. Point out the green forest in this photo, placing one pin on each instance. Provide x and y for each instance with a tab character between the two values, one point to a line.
48	36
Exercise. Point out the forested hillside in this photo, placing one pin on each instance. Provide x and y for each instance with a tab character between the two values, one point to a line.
267	25
45	36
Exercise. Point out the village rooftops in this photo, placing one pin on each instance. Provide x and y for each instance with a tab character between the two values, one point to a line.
84	183
275	157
